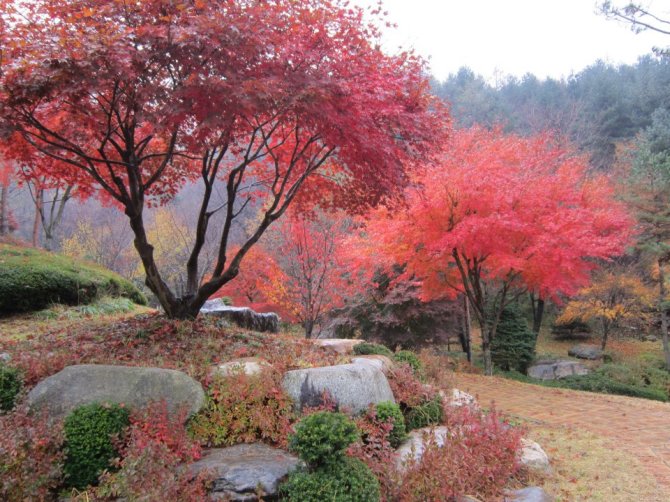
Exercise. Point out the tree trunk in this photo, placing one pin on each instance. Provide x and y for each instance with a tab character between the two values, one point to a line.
486	348
466	331
309	328
538	313
38	217
662	312
606	330
4	209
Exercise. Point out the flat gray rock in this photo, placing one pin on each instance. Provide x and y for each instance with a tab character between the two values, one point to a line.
5	357
98	383
243	317
554	370
351	386
530	494
241	470
584	351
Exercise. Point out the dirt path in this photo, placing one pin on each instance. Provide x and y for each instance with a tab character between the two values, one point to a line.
638	426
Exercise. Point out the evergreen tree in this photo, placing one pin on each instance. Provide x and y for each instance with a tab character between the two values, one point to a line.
513	347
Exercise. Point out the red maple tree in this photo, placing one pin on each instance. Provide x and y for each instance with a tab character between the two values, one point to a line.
315	277
258	97
501	214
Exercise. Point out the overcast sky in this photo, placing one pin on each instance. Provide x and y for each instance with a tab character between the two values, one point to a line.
513	37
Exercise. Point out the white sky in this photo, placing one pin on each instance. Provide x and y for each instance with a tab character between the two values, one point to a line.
513	37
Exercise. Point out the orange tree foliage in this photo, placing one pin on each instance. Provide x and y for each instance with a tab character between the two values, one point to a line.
253	286
297	270
611	299
248	96
500	215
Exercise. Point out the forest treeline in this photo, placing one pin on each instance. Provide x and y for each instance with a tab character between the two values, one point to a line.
597	109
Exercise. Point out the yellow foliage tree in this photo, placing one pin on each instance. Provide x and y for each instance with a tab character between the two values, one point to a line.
172	246
611	299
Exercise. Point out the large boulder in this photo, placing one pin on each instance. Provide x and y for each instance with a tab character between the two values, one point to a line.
529	494
533	457
337	345
554	370
241	470
352	386
244	317
133	386
584	351
415	444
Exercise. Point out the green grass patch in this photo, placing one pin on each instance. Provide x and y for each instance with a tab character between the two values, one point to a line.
31	280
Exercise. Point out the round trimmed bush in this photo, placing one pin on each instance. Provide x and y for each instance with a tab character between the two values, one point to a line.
427	413
409	357
322	437
347	480
390	412
10	386
367	349
89	441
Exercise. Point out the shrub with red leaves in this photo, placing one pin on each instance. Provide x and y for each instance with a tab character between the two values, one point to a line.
376	452
157	448
31	457
478	458
408	390
244	409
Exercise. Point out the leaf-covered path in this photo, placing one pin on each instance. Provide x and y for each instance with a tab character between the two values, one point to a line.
638	426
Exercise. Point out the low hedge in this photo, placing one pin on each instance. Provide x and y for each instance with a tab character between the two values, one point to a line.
604	380
31	279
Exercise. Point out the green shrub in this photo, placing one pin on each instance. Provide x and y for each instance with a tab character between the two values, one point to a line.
596	382
89	441
347	480
409	357
367	348
425	414
390	412
31	280
244	408
513	346
10	386
322	437
603	380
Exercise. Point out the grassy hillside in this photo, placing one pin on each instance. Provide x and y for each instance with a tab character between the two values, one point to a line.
31	279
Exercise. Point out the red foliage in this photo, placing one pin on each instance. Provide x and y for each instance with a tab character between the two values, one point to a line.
139	98
507	207
30	456
245	409
314	277
155	452
478	458
503	213
407	388
377	453
155	424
